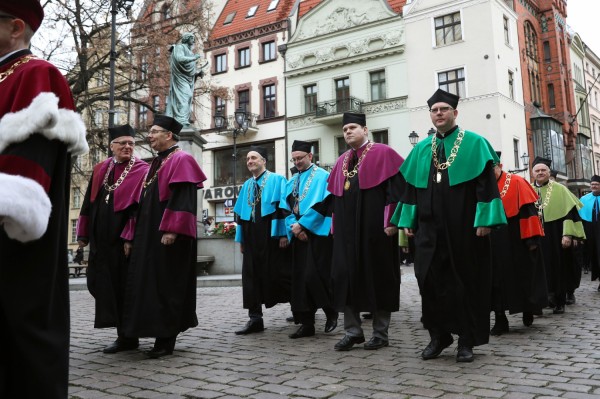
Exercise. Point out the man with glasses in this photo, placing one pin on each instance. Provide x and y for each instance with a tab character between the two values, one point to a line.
39	133
160	299
308	228
106	223
263	241
450	205
590	215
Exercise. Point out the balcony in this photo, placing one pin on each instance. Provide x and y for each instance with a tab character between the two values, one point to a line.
230	125
330	112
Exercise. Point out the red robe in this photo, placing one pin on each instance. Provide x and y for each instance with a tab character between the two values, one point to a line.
39	133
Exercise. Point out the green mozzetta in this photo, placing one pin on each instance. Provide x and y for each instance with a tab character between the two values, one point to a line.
474	153
560	203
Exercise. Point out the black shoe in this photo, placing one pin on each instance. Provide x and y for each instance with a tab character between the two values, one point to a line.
305	330
527	319
251	326
559	309
464	354
369	316
331	324
376	343
436	346
570	299
122	344
500	326
162	347
348	342
290	319
551	303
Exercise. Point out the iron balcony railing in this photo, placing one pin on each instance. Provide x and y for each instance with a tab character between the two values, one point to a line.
333	107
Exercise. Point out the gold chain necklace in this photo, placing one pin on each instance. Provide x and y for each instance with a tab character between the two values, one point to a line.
506	184
114	186
306	187
14	66
540	206
149	182
258	196
353	172
445	165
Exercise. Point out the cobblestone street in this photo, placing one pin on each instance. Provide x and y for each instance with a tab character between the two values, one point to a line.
559	356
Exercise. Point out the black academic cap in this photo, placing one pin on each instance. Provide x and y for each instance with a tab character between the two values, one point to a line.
299	145
168	123
354	117
120	131
441	96
545	161
261	150
595	178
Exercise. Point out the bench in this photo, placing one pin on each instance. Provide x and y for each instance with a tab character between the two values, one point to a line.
76	270
202	264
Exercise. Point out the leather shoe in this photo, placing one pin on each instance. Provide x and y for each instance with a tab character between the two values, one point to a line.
346	343
559	309
436	346
156	353
464	354
289	319
251	326
305	330
376	343
527	319
162	347
122	344
500	326
330	324
570	299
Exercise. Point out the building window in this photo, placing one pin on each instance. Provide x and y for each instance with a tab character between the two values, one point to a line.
166	12
378	85
310	98
244	57
221	63
220	106
73	230
342	94
547	51
315	151
516	153
269	101
531	41
506	30
453	81
76	198
229	18
252	11
448	29
142	116
98	117
156	103
551	97
223	168
244	100
144	68
268	51
511	85
273	5
380	136
342	147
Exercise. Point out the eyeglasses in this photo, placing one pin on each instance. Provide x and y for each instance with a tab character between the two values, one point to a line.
296	160
155	131
443	110
124	143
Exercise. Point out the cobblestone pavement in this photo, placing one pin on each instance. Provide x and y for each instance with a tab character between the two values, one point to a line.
559	356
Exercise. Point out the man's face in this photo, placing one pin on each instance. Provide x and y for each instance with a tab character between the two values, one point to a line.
256	163
159	138
541	173
122	148
595	186
355	134
6	33
443	116
302	159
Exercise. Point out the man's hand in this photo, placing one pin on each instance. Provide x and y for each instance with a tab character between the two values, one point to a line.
566	241
283	242
409	232
168	238
297	229
127	247
483	231
302	236
390	230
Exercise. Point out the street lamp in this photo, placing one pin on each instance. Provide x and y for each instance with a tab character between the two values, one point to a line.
241	120
431	132
524	161
413	137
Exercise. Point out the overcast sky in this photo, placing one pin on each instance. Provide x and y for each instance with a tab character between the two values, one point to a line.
582	17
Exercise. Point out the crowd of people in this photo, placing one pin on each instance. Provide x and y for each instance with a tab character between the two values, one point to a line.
484	240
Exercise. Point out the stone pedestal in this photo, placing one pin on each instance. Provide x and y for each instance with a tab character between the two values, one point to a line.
228	258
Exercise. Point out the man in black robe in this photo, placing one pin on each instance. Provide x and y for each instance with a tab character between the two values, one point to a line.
106	221
39	133
365	186
160	295
590	214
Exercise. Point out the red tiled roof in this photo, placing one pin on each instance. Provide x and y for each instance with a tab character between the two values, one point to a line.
240	23
307	5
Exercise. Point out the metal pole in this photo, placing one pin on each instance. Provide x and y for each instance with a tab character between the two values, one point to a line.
113	57
234	166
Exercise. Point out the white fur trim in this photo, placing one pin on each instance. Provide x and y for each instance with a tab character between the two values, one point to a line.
24	208
43	116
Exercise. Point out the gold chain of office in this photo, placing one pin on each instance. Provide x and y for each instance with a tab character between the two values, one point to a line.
149	182
116	184
14	66
445	165
353	172
540	206
258	196
506	184
306	186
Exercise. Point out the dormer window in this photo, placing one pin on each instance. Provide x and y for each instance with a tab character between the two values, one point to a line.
252	11
229	18
273	5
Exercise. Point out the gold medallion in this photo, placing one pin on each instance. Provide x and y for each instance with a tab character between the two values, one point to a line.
347	185
438	177
107	197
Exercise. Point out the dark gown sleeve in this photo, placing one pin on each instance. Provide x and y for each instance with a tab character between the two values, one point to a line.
180	213
83	222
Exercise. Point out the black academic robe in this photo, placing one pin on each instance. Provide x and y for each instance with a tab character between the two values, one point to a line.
160	295
365	268
592	247
452	265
